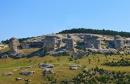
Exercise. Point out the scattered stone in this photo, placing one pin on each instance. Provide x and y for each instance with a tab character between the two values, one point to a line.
18	79
43	65
27	73
74	67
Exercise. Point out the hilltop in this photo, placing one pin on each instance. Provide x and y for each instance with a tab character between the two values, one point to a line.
95	31
77	31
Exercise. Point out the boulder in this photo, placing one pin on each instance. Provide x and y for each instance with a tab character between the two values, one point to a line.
44	65
17	79
27	73
74	67
4	56
47	71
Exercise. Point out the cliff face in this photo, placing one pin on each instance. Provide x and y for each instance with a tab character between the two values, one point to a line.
92	40
64	43
78	39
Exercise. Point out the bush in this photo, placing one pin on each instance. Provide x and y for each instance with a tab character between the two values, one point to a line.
101	76
121	62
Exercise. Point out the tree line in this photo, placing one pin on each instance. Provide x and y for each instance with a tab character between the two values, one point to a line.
95	31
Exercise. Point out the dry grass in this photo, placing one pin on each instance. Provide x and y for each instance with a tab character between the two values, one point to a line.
61	68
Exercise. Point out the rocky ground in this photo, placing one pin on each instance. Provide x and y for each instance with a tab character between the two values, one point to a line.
10	68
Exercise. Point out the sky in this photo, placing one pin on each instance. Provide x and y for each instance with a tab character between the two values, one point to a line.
26	18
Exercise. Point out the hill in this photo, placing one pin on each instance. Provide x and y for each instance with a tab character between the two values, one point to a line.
95	31
75	30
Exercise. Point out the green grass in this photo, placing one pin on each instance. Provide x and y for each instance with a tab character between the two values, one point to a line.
61	68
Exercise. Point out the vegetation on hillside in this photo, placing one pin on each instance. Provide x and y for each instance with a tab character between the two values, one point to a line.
95	31
121	62
101	76
62	73
20	40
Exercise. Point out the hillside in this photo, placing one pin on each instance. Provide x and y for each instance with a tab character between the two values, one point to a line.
27	65
61	68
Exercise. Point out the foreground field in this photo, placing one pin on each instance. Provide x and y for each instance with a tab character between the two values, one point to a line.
61	67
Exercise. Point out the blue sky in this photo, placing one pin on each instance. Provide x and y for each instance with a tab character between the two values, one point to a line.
25	18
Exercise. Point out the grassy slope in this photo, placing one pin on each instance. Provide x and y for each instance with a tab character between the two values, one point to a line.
61	68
